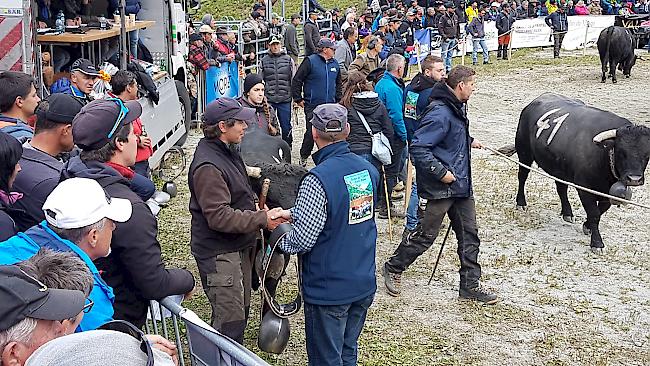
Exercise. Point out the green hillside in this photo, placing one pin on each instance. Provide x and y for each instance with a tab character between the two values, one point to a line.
241	10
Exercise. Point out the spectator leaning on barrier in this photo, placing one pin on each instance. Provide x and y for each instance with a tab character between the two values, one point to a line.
595	8
408	27
221	48
225	218
448	28
41	160
10	153
79	219
103	131
346	51
522	10
430	18
291	38
338	279
559	27
18	102
277	70
311	33
31	314
477	29
504	23
317	81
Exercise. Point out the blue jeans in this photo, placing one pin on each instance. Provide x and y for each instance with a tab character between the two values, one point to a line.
486	54
134	36
284	116
447	52
332	332
412	209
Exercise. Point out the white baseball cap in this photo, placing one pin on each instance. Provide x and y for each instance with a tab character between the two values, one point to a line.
79	202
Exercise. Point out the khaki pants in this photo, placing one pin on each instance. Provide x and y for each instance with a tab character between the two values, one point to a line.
226	280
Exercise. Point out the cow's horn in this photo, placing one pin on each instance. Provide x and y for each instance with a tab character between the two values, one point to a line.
609	134
253	171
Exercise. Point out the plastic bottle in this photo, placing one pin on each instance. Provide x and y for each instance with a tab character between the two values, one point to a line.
102	22
60	22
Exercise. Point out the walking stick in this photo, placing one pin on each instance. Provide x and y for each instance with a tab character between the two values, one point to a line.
390	221
409	183
435	266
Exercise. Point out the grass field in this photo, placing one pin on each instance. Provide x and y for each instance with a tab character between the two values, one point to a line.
242	9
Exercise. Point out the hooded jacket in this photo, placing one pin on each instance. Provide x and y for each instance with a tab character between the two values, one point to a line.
442	143
416	100
368	104
134	269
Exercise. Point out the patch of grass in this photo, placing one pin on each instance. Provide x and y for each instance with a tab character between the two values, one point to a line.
242	9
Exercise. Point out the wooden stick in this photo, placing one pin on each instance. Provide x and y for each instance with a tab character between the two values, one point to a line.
409	183
265	191
390	221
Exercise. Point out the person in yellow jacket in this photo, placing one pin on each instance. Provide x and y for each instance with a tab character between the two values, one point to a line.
472	11
551	6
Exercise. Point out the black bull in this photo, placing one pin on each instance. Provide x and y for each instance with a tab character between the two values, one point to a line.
583	145
616	49
273	158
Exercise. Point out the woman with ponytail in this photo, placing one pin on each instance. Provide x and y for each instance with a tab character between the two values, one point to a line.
254	97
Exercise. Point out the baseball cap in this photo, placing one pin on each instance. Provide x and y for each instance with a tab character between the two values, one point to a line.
276	38
24	296
450	4
85	66
410	12
326	43
313	11
195	37
95	124
79	202
383	22
206	29
226	108
62	108
330	117
495	4
296	16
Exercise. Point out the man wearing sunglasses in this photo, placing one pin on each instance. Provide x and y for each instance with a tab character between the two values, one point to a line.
103	131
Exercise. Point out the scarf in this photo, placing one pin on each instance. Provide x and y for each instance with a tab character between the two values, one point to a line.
124	171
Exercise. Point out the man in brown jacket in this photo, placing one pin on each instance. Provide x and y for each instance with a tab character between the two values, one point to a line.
225	218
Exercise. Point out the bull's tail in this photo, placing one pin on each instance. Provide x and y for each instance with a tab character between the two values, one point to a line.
508	150
610	30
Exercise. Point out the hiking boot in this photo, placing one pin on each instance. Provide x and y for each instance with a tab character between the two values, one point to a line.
399	186
395	213
396	195
392	281
406	233
478	294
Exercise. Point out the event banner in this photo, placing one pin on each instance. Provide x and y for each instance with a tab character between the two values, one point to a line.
222	81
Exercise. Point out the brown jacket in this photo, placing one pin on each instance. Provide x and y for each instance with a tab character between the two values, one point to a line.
364	64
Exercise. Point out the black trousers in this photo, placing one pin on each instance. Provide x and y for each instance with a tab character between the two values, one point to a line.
308	139
462	214
557	43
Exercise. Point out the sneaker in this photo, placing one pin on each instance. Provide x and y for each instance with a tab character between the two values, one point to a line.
478	294
398	187
392	281
396	195
303	162
406	233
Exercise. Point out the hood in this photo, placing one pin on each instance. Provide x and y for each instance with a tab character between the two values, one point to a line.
365	102
102	173
421	82
443	93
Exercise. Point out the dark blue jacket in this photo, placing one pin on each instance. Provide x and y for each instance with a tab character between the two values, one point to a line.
24	245
557	21
131	6
16	128
416	100
317	81
477	27
442	143
340	268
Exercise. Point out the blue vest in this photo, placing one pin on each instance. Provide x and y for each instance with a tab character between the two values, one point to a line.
320	85
24	245
340	268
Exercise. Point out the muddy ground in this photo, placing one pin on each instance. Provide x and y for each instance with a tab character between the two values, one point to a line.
561	304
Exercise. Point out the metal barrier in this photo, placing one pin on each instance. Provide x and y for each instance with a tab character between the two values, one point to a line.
206	346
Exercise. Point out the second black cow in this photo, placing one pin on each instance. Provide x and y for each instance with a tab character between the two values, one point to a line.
616	48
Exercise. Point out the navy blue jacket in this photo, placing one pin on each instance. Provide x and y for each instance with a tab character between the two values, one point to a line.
340	268
416	95
317	81
558	21
442	143
131	6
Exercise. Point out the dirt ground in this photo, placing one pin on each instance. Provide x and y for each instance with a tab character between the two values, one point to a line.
561	304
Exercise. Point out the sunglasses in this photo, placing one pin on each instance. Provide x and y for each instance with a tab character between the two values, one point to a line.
86	309
120	117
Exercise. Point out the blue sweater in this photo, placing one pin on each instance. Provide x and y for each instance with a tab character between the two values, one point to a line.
391	92
24	245
340	268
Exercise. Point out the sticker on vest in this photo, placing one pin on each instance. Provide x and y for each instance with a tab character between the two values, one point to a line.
410	105
333	69
361	197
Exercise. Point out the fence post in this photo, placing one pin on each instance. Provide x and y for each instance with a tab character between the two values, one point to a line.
462	59
584	45
512	33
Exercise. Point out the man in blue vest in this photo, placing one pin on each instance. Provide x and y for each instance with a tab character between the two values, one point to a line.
80	218
334	230
317	81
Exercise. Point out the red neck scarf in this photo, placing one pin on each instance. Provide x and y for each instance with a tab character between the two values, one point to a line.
124	171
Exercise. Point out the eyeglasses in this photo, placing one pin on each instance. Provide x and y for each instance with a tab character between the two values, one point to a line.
86	309
120	117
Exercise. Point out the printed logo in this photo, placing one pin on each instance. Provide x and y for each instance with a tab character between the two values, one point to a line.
360	191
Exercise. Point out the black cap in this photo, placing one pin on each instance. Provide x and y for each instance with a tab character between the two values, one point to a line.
63	108
85	66
97	120
23	296
195	37
224	109
330	117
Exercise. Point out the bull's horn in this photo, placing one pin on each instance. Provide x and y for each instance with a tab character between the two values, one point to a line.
253	171
608	134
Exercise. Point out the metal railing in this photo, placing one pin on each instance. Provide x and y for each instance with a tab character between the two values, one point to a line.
206	346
